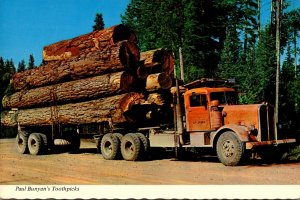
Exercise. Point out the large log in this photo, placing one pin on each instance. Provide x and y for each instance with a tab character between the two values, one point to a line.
93	87
156	98
158	60
97	40
117	57
110	109
158	81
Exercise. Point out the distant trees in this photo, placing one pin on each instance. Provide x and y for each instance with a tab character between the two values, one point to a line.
99	23
21	66
31	62
8	69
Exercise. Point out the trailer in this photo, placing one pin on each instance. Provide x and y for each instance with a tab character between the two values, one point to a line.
206	115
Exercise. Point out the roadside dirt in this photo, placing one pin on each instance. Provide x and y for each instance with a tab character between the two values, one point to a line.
88	167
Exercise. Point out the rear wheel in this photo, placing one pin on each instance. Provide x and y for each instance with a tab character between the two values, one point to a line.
230	149
119	136
110	146
130	147
35	144
22	142
145	144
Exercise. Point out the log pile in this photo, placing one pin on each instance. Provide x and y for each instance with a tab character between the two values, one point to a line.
94	78
117	57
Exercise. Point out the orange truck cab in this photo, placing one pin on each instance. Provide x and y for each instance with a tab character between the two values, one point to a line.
212	118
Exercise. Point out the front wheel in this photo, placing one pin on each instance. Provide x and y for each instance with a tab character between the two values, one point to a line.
230	149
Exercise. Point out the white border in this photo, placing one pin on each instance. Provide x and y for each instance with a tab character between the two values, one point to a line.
157	191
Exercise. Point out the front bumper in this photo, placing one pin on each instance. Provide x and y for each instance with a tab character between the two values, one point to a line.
251	145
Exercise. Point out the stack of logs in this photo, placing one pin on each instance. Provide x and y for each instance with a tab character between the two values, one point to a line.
93	78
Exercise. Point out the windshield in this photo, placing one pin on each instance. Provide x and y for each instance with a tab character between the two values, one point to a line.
224	97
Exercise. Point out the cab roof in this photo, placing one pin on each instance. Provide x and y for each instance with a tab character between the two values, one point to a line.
208	90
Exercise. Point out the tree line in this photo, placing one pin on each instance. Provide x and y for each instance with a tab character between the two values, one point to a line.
8	69
225	39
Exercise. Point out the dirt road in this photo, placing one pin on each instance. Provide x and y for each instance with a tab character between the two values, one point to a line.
87	167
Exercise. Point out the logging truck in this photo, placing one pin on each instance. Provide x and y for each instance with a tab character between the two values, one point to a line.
205	115
99	83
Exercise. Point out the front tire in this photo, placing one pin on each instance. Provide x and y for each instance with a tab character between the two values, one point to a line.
230	149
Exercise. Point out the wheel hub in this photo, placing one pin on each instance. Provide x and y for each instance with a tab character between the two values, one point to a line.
228	148
108	147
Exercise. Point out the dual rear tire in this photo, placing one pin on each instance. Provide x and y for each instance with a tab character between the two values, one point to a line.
34	143
37	143
132	146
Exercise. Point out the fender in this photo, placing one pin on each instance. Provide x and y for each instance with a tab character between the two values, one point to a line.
240	131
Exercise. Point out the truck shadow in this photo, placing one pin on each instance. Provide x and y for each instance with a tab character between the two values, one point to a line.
66	149
266	163
211	157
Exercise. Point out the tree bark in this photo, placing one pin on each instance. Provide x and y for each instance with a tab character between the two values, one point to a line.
117	57
158	81
156	98
97	40
158	60
110	109
81	89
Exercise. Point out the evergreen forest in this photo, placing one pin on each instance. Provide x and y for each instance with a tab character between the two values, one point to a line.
227	39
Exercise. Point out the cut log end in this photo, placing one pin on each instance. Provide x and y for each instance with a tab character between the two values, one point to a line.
129	55
123	81
164	81
122	32
158	81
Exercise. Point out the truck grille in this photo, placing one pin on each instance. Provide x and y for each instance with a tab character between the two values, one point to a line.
266	122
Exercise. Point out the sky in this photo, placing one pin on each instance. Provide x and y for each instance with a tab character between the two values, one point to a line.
26	26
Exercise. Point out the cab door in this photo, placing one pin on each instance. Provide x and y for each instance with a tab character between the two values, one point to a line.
197	112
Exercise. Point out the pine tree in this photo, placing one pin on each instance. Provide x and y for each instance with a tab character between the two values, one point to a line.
266	65
193	25
31	62
230	57
21	66
99	23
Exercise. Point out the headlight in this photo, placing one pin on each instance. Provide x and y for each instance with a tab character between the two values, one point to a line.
252	130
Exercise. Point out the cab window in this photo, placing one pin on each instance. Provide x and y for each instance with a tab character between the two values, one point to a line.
197	100
225	97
